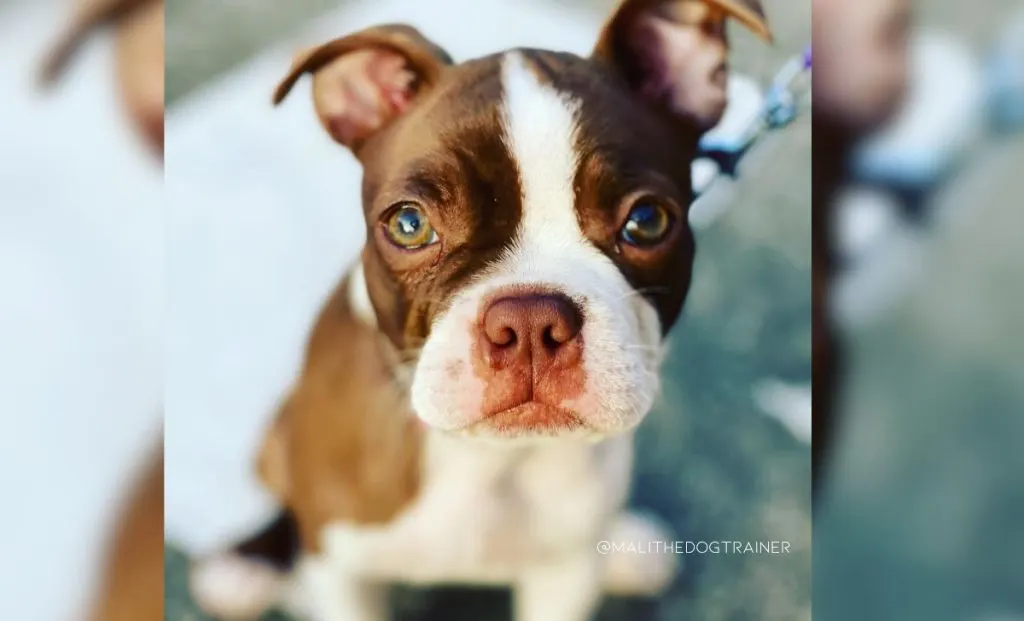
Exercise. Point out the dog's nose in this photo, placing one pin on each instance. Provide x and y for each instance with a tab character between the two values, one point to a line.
541	327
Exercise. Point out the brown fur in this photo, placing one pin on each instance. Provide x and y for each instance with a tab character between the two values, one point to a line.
667	50
133	587
345	445
139	48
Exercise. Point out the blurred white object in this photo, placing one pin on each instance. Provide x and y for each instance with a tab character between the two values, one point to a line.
81	341
887	256
866	216
743	118
944	115
705	209
943	118
881	253
723	145
704	171
788	404
264	219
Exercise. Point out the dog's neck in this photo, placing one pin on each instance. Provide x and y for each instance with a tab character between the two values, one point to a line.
345	444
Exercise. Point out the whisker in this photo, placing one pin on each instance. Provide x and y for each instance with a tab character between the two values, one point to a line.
654	290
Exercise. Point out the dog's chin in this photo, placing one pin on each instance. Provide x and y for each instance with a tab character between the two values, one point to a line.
531	419
534	422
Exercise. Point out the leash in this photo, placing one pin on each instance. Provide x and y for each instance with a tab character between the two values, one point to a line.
725	145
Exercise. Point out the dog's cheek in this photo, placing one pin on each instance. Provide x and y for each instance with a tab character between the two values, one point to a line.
649	334
386	297
446	392
664	285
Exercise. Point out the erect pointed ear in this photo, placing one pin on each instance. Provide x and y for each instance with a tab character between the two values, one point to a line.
363	81
674	53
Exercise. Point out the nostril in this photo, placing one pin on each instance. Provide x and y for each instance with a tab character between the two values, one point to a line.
549	340
565	324
505	337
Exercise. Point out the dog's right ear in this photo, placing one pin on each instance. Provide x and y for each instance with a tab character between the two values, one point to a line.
673	54
365	80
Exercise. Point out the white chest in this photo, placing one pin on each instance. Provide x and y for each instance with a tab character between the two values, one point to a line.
487	511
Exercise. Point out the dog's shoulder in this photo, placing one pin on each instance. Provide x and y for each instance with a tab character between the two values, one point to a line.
345	445
133	579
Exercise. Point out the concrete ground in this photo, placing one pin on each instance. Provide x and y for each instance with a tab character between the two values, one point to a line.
711	462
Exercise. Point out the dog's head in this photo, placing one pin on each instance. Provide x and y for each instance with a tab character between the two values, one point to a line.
526	212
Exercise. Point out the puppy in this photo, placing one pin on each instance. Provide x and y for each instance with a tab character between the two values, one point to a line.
466	409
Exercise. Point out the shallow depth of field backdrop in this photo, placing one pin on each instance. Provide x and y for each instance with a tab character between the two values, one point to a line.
710	460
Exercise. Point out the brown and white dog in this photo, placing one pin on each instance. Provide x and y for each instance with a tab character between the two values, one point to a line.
466	409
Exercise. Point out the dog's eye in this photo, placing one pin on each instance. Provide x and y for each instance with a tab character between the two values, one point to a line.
408	228
647	224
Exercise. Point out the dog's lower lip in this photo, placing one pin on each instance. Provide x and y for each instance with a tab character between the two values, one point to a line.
533	416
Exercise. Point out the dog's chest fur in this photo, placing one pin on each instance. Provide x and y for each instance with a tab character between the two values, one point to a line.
486	511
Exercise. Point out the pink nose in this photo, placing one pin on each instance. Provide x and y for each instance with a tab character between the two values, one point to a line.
532	330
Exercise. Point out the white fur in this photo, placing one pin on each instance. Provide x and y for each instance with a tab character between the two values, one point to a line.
490	513
622	332
228	586
359	296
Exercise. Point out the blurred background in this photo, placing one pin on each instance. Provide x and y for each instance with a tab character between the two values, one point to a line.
923	517
81	305
261	225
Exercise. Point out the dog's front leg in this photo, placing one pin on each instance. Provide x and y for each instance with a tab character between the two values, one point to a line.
567	588
327	592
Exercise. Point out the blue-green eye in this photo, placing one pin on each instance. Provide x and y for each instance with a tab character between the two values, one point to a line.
647	224
408	227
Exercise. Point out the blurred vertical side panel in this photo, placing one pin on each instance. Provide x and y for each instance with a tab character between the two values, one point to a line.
923	504
81	299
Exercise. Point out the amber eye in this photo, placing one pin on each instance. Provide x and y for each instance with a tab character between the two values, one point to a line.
647	224
408	227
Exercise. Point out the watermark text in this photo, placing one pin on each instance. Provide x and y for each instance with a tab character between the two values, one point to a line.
694	547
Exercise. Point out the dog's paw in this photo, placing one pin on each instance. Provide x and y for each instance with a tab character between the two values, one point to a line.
637	560
230	587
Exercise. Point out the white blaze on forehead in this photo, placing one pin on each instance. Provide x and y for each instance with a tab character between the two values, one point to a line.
621	330
540	132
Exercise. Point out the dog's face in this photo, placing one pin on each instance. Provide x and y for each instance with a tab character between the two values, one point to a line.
527	237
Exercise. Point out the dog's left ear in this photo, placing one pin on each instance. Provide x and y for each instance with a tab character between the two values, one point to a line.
363	81
674	53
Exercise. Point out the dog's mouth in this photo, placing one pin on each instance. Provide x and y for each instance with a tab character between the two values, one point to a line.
530	418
